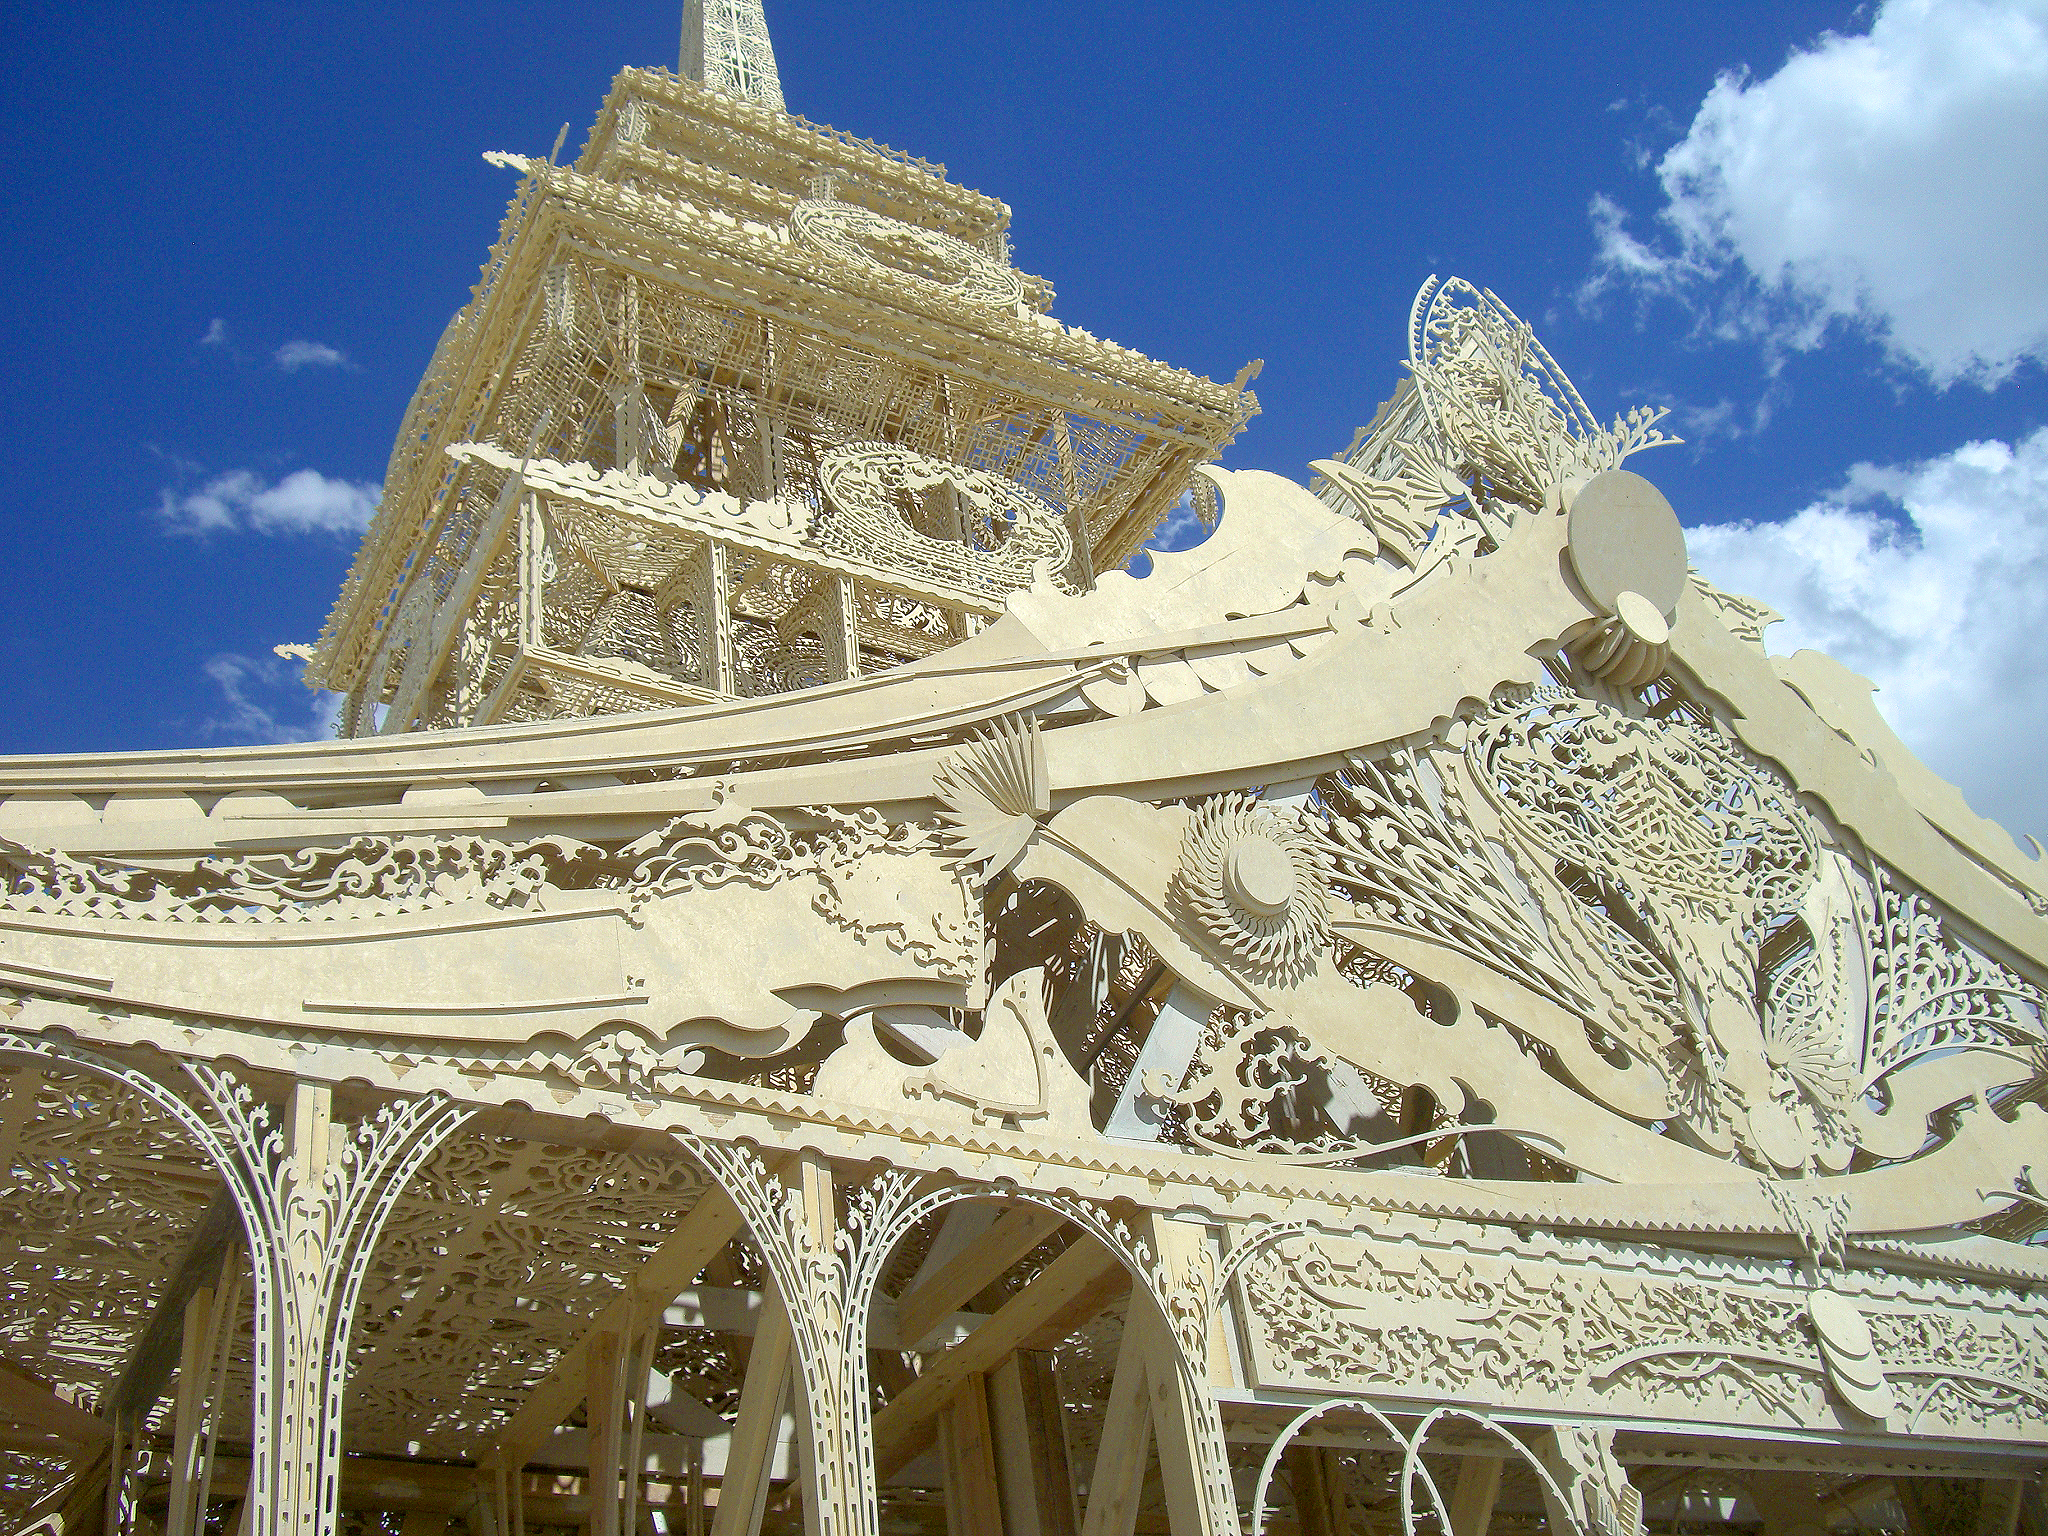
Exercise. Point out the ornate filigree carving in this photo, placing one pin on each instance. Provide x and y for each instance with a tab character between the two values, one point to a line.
385	874
1929	993
926	261
946	522
1500	405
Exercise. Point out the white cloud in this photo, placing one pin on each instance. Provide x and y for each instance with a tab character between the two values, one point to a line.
216	334
1931	579
1896	180
294	355
304	501
264	701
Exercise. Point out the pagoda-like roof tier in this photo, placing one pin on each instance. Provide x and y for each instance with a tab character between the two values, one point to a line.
693	190
698	130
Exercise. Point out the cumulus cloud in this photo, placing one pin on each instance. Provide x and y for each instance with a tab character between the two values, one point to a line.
304	501
1931	579
294	355
263	701
1890	180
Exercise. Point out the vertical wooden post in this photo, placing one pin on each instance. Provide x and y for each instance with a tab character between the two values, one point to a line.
974	1504
1478	1487
533	552
188	1412
1033	1472
693	1493
1070	486
1316	1477
848	611
812	1175
720	620
743	1493
603	1404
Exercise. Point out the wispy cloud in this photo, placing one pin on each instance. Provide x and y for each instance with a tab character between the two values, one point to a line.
216	334
1877	181
1181	528
264	700
241	500
1931	579
294	355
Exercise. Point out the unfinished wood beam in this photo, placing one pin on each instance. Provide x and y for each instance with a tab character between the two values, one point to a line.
1015	1234
24	1399
1175	1426
974	1501
712	1223
1117	1482
1066	1293
604	1362
743	1494
1472	1502
1032	1466
195	1356
155	1350
1315	1475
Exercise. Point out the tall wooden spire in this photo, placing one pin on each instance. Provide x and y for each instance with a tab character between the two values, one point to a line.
726	46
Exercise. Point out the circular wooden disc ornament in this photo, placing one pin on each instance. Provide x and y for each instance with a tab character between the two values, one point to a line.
1840	1325
1624	537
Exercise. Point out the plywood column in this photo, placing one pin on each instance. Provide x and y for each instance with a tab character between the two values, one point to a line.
812	1176
1032	1468
974	1502
1183	1410
719	621
847	610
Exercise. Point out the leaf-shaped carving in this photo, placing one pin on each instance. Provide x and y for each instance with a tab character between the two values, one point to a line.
994	790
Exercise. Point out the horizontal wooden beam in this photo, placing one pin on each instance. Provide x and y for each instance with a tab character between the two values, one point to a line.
32	1403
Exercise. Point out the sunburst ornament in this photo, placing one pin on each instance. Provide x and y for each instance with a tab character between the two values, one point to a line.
1255	879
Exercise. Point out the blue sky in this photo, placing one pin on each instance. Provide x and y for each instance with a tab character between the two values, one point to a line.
1818	232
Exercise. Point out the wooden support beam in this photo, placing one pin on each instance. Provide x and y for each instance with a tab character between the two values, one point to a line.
1315	1474
155	1350
974	1502
1472	1502
1060	1298
195	1361
26	1400
955	1283
1032	1467
743	1494
697	1238
604	1394
1118	1481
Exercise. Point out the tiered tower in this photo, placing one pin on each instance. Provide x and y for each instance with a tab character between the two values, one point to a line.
741	404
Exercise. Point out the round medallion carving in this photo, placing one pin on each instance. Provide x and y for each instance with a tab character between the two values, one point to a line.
901	254
1255	881
1624	537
